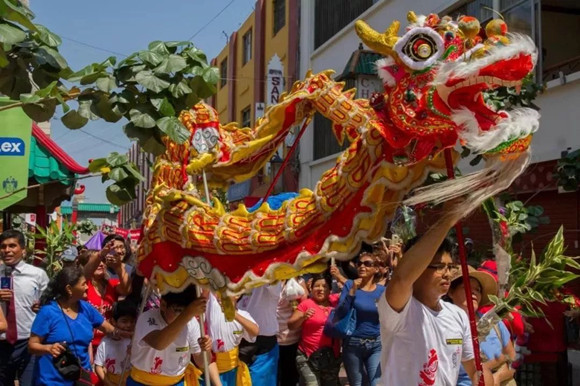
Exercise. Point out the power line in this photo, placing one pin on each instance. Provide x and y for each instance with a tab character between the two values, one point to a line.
211	20
103	140
93	46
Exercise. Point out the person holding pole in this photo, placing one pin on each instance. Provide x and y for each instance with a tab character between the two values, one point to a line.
165	339
424	339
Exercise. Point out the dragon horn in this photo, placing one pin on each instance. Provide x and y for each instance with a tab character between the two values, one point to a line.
411	17
381	43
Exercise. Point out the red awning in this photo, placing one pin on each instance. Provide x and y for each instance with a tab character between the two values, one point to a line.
57	152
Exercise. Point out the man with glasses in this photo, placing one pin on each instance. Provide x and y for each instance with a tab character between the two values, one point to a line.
166	338
424	339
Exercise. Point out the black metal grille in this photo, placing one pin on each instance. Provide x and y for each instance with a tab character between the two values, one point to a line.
330	16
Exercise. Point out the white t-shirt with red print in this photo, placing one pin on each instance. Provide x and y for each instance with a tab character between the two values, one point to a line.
112	354
421	346
174	359
225	335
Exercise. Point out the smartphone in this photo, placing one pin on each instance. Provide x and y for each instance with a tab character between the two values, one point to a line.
5	283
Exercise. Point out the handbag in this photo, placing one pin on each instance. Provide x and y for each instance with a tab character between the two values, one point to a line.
68	364
323	359
340	328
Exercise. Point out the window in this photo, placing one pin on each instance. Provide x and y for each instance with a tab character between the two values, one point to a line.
223	72
553	24
247	52
279	15
325	142
330	16
246	117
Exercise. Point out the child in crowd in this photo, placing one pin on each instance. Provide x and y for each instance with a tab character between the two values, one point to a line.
114	352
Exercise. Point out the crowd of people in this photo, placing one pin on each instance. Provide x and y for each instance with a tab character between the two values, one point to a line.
404	308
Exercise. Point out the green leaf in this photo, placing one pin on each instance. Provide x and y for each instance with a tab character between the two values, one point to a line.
173	127
163	106
119	195
197	55
147	139
10	34
50	56
158	47
106	83
173	63
141	118
180	89
16	12
73	120
177	43
118	174
96	165
131	169
148	80
3	58
105	109
151	57
85	109
201	88
115	159
41	111
47	37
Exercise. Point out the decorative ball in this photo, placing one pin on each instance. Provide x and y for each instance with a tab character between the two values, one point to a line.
496	27
469	26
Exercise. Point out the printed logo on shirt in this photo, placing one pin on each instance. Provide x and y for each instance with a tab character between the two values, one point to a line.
454	341
156	368
152	322
182	349
220	344
110	365
238	332
429	372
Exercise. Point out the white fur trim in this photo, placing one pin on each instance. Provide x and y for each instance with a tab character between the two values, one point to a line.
520	44
385	75
427	63
519	124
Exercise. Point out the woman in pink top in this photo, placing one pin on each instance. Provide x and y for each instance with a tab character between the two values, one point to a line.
318	358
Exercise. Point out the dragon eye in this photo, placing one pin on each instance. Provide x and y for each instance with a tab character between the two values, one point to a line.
420	48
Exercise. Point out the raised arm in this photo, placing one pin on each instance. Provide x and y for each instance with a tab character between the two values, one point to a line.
251	328
416	260
161	339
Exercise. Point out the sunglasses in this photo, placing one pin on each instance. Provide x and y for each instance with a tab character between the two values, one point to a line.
366	263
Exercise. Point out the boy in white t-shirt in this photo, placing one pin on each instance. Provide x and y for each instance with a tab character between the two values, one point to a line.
112	353
166	338
424	339
226	339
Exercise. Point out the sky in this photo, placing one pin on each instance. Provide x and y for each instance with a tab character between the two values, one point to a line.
91	31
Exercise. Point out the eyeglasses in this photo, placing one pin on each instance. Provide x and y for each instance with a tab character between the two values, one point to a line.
366	263
440	268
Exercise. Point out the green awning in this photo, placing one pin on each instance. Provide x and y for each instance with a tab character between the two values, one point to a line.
90	207
43	167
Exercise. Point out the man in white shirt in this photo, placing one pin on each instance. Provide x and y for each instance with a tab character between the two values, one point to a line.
262	356
165	339
22	286
424	339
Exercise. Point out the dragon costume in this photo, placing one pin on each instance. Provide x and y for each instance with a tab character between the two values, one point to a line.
434	76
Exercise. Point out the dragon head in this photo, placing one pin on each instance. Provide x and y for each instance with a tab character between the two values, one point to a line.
436	75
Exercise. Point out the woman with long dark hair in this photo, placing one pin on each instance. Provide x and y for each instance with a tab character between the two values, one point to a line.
361	352
65	322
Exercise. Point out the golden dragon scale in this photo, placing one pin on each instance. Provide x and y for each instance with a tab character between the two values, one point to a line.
434	77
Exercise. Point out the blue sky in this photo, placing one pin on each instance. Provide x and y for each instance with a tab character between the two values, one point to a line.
123	27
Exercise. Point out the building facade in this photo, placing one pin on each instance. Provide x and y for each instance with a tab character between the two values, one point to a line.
257	64
131	214
328	40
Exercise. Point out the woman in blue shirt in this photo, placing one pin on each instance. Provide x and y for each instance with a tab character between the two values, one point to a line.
361	352
65	321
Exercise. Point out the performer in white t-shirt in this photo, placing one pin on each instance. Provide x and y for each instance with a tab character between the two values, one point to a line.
262	356
166	338
424	339
113	353
226	339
